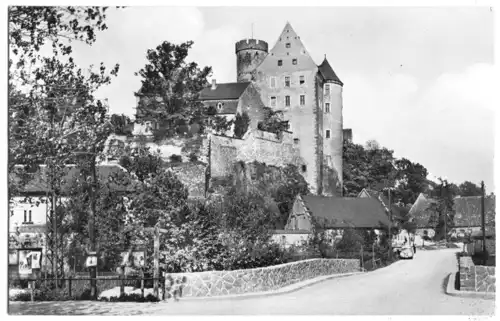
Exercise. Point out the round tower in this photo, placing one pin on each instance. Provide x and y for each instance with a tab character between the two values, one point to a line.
249	54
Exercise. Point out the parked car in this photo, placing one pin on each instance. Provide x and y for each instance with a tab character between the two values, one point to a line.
406	252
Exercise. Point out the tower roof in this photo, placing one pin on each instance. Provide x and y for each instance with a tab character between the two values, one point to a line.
327	72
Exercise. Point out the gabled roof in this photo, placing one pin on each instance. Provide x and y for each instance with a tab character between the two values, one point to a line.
327	72
468	211
396	211
421	213
225	91
336	212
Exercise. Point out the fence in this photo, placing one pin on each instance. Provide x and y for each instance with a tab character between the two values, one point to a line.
78	288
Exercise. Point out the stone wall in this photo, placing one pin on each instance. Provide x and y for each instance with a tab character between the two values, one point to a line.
476	278
219	283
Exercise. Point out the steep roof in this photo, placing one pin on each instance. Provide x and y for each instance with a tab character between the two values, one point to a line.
468	211
396	211
327	72
231	90
336	212
421	213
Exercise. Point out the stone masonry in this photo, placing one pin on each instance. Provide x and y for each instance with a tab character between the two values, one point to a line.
219	283
476	278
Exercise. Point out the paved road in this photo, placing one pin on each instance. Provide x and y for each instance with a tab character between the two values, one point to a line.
406	287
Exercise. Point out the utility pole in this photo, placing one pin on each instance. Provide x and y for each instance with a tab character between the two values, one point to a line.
93	269
483	223
390	225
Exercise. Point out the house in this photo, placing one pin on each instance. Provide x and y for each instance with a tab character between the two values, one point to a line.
467	220
30	208
230	99
384	200
424	216
335	213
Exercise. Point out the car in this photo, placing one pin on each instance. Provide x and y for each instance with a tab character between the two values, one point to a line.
406	252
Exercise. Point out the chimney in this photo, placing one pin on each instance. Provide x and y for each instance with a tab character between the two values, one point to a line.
214	84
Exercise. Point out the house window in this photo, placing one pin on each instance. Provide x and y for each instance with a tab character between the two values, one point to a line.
304	168
288	45
25	217
273	82
302	100
327	90
287	81
273	101
219	106
327	133
327	107
280	62
287	101
294	61
29	216
302	80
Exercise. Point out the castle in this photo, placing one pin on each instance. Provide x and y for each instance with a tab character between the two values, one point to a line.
285	79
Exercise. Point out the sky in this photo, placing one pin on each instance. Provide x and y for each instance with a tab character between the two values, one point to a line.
417	80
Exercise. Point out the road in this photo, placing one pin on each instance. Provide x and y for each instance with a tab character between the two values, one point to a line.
409	287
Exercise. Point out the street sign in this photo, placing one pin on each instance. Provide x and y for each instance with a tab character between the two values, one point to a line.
91	261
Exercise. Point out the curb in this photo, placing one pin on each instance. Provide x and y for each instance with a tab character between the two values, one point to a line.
450	290
284	290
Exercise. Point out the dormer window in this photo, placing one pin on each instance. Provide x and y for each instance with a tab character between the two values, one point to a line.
288	45
294	61
280	62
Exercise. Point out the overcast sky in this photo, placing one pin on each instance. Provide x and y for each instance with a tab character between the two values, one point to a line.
417	80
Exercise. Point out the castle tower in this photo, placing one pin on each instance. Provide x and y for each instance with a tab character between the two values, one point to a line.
332	125
249	54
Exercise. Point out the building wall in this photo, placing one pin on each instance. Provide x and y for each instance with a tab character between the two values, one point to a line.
249	54
251	103
18	205
298	219
333	120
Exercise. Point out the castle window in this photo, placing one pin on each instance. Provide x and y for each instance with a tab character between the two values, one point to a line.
304	168
302	80
295	141
327	133
287	101
302	100
25	218
280	62
327	107
29	213
273	101
327	89
288	45
294	61
273	82
287	81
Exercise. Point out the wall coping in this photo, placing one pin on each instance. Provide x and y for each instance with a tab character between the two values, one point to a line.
278	266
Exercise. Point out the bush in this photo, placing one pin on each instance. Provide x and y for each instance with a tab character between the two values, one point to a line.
175	158
132	297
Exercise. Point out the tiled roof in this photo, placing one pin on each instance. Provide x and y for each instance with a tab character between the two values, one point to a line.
468	211
336	212
231	90
40	180
396	211
327	72
421	213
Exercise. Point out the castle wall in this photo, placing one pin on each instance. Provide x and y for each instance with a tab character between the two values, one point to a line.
251	103
249	54
332	120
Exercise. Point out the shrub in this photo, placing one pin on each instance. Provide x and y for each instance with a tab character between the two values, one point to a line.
193	157
241	124
175	158
131	297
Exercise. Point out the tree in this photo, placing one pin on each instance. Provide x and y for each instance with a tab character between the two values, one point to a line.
241	123
273	122
285	195
121	124
469	189
170	86
412	178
